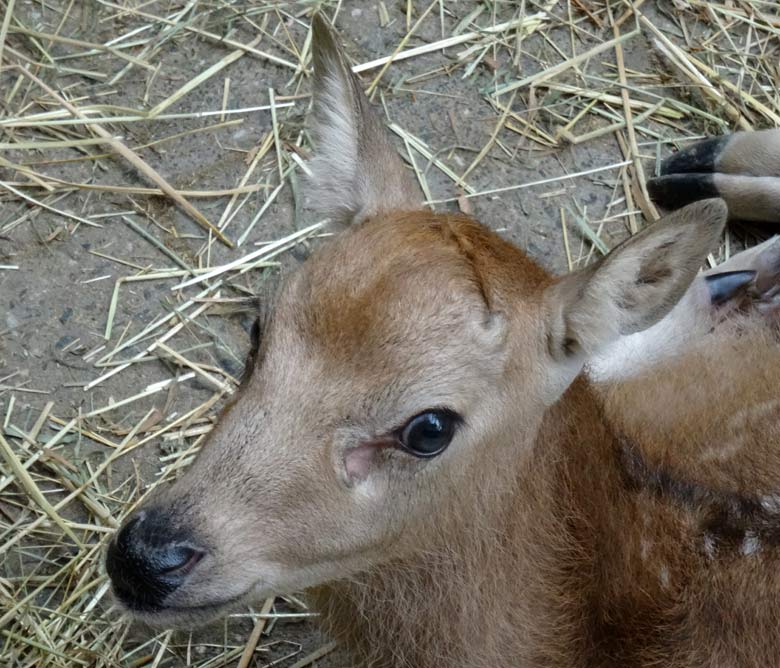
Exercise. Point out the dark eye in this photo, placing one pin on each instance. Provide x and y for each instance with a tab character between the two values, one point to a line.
429	433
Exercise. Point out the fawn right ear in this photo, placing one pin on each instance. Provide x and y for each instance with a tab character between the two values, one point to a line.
357	172
634	286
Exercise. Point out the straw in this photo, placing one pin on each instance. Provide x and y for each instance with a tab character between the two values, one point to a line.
571	107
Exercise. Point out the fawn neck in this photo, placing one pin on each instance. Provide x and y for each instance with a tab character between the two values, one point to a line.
514	572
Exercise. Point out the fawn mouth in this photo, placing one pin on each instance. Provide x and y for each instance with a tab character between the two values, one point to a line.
204	607
178	615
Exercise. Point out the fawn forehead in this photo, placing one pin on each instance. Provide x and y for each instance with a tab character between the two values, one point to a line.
381	285
391	306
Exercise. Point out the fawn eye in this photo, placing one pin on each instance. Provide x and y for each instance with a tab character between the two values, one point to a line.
428	434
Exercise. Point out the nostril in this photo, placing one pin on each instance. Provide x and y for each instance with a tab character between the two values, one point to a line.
179	560
149	559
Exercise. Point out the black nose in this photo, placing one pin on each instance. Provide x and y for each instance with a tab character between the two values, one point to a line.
148	560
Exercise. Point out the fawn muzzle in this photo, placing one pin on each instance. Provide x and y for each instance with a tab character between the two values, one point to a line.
147	561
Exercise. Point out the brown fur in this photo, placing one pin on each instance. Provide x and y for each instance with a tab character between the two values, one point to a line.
615	538
569	524
585	561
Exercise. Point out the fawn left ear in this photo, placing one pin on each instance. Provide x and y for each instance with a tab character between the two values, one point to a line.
357	172
634	286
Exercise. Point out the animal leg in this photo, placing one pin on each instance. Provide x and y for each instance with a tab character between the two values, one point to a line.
742	168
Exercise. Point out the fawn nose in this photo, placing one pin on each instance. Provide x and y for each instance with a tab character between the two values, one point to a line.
147	561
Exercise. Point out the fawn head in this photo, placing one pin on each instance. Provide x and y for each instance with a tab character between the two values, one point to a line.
404	371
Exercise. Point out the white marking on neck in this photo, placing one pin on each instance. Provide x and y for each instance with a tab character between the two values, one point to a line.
751	544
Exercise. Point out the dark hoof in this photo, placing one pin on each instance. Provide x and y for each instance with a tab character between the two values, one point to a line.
678	190
728	285
700	157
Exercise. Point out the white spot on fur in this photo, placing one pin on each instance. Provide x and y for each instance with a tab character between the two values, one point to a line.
368	490
751	544
723	451
710	547
770	503
645	546
664	577
754	414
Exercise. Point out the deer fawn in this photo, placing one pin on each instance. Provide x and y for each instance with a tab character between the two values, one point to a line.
468	462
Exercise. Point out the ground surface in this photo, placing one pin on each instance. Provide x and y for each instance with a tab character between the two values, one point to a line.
59	266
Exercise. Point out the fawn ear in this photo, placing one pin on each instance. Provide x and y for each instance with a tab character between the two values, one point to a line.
356	171
634	286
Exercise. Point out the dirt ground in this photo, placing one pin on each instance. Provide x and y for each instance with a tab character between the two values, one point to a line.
58	274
